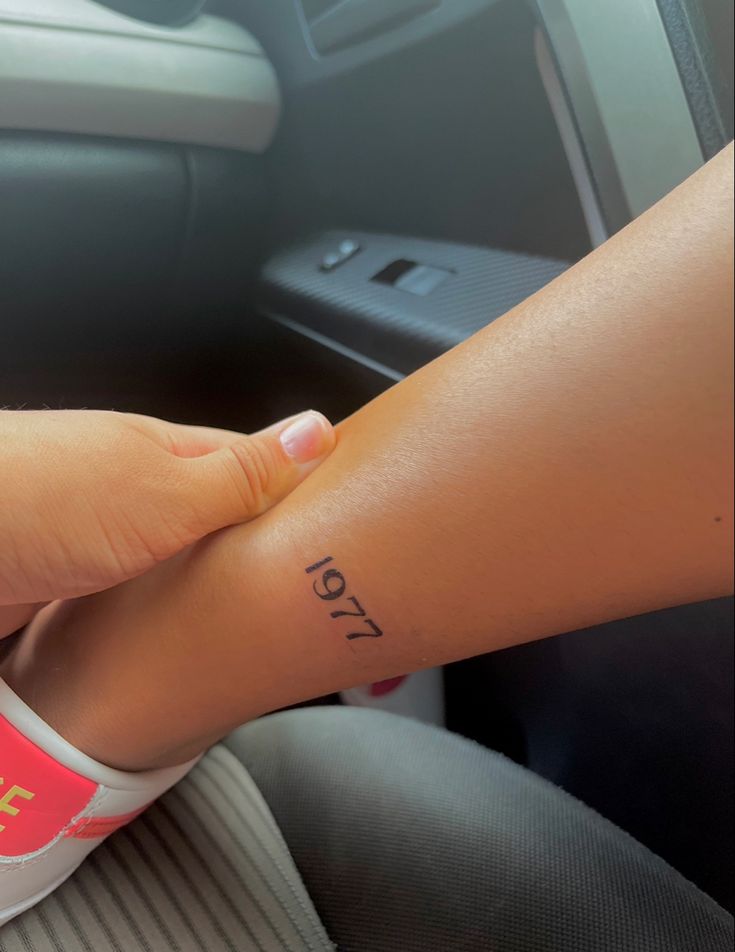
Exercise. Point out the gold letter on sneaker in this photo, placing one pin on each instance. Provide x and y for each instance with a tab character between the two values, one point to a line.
6	805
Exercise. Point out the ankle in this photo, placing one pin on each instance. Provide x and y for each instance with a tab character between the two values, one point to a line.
70	704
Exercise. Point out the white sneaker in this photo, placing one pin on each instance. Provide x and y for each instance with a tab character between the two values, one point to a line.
57	804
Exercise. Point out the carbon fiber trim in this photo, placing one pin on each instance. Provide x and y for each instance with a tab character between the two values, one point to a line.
395	328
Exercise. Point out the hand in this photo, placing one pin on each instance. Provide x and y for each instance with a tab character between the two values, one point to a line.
92	498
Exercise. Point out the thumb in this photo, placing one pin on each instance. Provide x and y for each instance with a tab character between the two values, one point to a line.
244	478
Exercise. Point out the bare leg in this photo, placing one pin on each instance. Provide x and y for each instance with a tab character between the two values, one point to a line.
568	465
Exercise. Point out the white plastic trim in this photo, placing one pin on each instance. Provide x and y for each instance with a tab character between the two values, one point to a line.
570	141
635	86
74	66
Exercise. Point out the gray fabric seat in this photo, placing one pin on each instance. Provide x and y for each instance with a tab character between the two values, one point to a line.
409	839
401	838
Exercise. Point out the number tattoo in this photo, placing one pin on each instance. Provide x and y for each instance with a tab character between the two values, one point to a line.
331	586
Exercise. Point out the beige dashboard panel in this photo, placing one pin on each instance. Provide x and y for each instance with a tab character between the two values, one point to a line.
74	66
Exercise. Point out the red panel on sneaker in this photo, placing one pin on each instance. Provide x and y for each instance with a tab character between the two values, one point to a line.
93	828
39	797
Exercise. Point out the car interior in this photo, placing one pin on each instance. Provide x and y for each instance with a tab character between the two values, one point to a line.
226	211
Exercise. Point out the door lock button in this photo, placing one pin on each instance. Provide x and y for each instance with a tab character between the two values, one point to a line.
346	249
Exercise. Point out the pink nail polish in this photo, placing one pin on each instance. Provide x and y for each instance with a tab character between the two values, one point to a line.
303	439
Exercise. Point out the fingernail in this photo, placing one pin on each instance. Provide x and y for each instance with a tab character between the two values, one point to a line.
304	439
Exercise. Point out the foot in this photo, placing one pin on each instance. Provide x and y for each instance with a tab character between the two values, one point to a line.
57	804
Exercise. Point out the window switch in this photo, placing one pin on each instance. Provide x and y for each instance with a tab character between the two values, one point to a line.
421	279
405	275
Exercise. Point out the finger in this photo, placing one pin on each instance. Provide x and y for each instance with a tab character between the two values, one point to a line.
181	439
249	474
189	440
